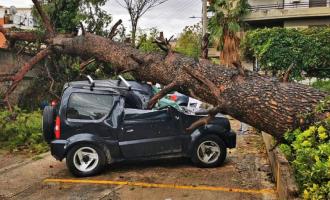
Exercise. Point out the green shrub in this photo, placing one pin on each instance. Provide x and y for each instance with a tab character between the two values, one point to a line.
322	85
309	153
189	41
21	130
278	48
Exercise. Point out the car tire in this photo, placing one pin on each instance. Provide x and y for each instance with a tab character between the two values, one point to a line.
85	160
48	123
209	151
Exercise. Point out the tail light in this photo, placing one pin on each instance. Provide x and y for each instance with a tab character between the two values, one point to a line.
53	103
57	127
173	97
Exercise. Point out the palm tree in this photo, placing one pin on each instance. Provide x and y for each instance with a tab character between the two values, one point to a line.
224	25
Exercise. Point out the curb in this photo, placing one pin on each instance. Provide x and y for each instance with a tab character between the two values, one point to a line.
286	186
16	165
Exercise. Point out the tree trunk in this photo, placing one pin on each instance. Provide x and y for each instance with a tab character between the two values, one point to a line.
230	51
134	27
260	101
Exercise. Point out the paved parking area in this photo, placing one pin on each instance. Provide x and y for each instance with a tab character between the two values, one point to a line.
245	175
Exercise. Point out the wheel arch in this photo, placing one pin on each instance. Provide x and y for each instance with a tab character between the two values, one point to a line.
226	136
87	138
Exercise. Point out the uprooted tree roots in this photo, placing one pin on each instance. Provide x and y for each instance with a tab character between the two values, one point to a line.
263	102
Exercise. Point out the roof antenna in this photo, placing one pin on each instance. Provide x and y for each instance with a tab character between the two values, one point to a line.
121	79
91	82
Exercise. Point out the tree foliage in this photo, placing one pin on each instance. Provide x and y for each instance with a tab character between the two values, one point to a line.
66	15
224	25
146	40
21	130
189	41
136	9
309	153
277	48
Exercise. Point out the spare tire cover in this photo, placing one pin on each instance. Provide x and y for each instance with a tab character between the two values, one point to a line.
48	123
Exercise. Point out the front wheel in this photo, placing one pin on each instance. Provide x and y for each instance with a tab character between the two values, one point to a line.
209	151
85	160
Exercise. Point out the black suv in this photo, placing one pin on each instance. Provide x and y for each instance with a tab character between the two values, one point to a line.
106	121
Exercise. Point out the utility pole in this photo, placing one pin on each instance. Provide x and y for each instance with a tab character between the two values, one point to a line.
204	16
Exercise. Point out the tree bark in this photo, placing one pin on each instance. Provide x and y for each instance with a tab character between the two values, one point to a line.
230	51
263	102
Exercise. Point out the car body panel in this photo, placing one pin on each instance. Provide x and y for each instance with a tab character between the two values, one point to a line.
127	133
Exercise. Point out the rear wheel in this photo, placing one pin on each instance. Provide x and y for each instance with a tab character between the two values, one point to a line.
209	151
48	123
85	160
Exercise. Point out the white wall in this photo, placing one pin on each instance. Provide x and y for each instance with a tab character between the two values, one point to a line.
23	16
290	4
264	2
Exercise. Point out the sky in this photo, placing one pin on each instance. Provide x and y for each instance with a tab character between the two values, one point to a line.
170	17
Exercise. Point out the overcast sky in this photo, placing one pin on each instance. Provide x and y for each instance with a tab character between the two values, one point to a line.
170	17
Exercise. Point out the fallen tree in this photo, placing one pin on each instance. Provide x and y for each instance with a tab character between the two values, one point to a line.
263	102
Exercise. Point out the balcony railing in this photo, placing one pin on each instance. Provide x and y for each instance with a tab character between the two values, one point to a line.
294	4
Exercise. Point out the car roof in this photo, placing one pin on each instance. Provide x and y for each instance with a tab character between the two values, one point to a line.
140	94
113	83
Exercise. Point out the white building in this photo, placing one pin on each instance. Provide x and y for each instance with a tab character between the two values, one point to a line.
289	13
18	17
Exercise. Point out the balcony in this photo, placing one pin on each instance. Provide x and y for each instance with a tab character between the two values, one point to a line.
290	9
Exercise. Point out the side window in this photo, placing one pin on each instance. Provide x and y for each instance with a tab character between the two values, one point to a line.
87	106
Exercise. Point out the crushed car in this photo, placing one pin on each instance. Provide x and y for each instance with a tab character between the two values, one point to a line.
100	122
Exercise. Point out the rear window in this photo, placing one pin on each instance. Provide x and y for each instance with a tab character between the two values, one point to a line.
86	106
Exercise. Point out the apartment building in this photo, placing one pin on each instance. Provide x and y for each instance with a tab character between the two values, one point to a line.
289	13
15	17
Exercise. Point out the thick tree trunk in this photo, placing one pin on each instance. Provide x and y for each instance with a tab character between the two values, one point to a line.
230	51
260	101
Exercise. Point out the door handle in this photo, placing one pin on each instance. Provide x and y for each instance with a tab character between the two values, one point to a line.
129	130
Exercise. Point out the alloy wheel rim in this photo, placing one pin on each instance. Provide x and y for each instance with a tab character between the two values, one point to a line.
85	159
208	152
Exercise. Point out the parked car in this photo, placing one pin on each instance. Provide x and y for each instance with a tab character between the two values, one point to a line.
101	122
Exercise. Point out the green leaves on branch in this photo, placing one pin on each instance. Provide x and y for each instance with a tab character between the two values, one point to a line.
67	15
277	48
189	41
20	130
309	153
227	19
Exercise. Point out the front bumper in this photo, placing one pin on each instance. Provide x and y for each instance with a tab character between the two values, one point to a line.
58	149
231	139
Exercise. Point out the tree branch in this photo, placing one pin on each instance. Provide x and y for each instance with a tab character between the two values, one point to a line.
22	36
51	83
164	44
113	31
205	120
45	19
239	67
286	75
137	60
83	31
84	64
27	67
168	88
197	75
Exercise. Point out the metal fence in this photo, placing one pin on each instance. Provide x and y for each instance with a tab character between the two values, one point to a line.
292	5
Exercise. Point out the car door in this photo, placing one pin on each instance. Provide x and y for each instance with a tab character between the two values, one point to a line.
149	133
